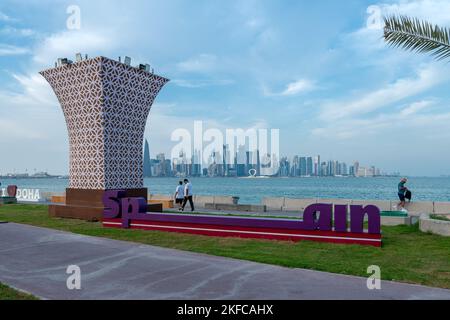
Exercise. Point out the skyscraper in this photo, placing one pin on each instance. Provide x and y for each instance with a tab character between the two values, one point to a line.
303	166
309	166
356	168
317	166
295	167
147	161
258	163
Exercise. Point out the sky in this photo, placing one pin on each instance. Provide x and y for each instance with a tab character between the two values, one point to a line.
317	70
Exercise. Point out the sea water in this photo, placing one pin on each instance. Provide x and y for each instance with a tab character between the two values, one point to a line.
252	190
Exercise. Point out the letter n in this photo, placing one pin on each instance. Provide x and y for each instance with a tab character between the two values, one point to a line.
310	220
340	218
357	214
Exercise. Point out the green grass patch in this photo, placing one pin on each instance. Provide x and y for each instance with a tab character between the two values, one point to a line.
7	293
439	217
407	255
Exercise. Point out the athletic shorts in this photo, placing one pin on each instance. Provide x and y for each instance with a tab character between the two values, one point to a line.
179	200
401	196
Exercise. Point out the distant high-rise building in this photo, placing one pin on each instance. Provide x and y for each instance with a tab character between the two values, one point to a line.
351	171
196	164
225	161
343	169
324	169
258	163
309	166
147	161
303	166
241	162
295	167
284	167
317	166
356	168
362	172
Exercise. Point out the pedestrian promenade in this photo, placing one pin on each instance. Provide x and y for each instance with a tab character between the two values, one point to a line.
36	259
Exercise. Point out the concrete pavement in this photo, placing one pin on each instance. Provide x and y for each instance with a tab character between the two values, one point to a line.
35	260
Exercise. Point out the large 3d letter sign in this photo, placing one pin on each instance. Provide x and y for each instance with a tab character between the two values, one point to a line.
317	224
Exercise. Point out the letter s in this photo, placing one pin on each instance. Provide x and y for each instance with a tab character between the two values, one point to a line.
111	202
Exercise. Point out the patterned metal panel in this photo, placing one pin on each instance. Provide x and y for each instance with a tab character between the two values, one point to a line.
106	104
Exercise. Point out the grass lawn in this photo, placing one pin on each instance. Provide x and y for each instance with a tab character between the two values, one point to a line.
439	217
7	293
407	255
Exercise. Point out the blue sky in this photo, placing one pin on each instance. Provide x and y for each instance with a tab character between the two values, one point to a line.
313	69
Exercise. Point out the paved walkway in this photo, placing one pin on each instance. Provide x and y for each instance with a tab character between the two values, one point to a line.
35	260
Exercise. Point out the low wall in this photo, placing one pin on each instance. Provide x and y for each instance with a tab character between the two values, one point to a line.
414	208
236	207
440	227
8	200
199	200
396	221
290	204
274	203
441	208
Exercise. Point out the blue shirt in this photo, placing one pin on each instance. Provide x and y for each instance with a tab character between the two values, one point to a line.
401	188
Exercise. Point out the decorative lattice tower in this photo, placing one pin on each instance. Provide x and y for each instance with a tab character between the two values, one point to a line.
106	104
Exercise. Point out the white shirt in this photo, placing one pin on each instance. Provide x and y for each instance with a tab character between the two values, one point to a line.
188	189
180	192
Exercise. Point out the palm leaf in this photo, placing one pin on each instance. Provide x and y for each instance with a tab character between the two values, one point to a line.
418	36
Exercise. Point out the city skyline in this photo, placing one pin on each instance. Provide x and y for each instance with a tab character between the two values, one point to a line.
244	160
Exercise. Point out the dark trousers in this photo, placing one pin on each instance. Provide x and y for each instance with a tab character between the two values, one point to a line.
191	203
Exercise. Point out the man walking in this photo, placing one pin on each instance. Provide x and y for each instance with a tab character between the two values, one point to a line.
179	195
401	193
188	195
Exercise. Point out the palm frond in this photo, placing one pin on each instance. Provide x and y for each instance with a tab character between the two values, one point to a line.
418	36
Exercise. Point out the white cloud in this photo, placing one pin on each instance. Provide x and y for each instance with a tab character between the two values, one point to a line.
368	40
436	11
13	129
6	18
416	107
200	83
160	127
36	91
297	87
67	43
200	63
21	32
9	50
293	88
426	78
411	118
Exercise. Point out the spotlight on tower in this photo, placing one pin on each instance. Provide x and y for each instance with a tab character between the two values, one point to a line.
63	62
